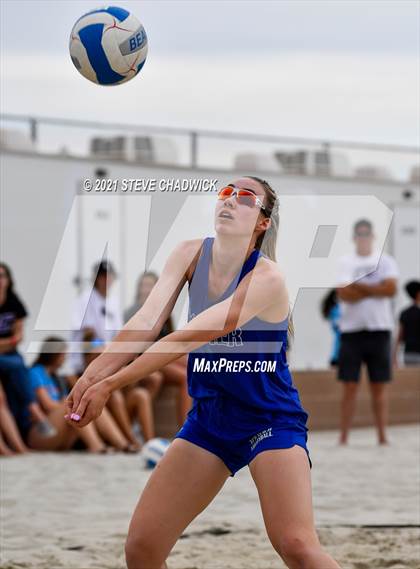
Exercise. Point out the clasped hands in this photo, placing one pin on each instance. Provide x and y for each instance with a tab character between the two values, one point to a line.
86	401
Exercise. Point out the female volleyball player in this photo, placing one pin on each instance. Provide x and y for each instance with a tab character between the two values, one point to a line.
244	401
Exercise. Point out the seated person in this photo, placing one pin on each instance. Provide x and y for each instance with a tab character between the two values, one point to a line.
125	405
11	441
14	375
48	392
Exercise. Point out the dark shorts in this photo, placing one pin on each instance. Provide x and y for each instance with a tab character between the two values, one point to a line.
239	453
370	347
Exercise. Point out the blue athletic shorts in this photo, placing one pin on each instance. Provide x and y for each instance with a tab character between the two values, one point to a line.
238	451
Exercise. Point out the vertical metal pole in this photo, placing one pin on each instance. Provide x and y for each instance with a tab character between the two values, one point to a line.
327	168
193	149
33	126
122	234
79	238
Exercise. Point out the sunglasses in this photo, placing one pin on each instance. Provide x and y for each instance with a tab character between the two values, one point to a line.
243	196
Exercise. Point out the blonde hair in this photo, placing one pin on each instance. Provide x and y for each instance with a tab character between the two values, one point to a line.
267	240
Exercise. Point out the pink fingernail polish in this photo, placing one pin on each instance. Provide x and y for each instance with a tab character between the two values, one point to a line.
72	416
76	417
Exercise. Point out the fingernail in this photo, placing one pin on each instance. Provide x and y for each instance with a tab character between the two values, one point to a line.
76	417
72	416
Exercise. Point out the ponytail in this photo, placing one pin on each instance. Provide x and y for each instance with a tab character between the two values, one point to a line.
267	241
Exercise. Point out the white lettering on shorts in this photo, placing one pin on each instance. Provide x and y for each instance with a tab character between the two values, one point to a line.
260	436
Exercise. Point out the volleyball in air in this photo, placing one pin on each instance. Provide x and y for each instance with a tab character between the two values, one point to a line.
153	450
108	46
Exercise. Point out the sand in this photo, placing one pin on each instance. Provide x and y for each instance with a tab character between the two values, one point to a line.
72	510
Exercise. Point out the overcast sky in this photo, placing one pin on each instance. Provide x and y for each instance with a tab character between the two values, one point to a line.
335	69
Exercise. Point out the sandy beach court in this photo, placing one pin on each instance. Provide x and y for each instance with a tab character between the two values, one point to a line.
72	510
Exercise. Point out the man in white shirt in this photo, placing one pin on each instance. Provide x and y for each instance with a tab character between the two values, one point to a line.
97	310
367	280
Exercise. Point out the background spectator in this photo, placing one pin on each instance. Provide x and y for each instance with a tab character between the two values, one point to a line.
14	374
409	327
48	391
97	309
127	405
330	309
11	441
365	325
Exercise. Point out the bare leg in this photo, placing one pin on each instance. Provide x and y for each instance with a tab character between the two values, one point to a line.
91	438
379	399
118	407
9	427
348	406
152	383
109	430
4	449
176	373
66	434
140	406
183	483
283	481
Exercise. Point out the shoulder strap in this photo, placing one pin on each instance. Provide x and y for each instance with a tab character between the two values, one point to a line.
198	256
250	263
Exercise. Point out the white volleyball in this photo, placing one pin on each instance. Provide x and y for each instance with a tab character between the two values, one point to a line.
108	46
153	450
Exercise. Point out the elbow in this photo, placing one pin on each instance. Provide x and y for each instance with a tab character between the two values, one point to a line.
394	291
342	294
389	287
389	292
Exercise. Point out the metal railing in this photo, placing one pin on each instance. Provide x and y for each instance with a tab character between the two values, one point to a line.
194	139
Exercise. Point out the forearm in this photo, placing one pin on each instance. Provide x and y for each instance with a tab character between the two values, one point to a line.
36	412
380	289
49	406
143	366
161	353
350	293
212	323
126	345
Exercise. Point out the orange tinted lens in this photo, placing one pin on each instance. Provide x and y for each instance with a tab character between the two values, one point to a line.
246	198
225	193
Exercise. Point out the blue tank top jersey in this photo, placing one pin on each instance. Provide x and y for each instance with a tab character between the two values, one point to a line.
248	366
